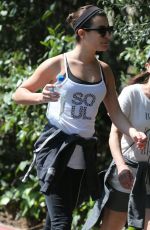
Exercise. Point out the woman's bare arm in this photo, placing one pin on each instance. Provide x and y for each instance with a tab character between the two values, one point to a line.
124	173
42	78
115	113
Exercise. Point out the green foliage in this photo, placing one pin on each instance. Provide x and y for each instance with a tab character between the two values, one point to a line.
132	228
80	214
25	199
131	36
56	42
136	60
20	127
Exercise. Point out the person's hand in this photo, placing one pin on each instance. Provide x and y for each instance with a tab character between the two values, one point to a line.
48	94
125	176
139	138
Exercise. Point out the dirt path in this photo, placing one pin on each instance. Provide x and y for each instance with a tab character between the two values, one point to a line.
7	227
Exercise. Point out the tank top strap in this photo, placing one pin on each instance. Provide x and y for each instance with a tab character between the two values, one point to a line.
101	72
65	65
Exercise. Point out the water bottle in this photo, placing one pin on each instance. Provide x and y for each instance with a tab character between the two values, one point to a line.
57	86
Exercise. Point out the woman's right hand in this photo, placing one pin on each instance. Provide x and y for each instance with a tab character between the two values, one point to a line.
48	94
125	176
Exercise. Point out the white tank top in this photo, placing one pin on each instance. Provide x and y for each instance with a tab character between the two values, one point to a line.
75	112
80	106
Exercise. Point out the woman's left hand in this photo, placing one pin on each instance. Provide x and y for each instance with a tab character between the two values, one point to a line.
125	176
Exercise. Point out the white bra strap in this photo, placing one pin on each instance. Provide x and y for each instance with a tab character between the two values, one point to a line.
101	72
65	65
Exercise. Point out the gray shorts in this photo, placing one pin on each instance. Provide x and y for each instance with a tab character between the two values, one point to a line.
118	201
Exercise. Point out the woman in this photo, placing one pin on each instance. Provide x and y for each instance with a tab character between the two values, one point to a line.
135	103
126	182
66	151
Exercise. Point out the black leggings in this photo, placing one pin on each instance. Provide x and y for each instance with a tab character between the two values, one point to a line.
63	199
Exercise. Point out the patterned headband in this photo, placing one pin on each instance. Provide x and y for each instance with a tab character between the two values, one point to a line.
89	13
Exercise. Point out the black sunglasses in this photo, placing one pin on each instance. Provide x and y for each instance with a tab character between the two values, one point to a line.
102	30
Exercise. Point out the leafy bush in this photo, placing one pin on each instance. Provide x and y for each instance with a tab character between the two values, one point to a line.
20	127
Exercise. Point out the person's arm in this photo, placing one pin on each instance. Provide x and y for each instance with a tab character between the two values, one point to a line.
43	78
115	113
124	173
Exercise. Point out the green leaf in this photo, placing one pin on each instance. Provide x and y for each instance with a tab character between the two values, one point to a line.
4	201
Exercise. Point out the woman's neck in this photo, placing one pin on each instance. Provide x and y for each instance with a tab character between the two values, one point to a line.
82	55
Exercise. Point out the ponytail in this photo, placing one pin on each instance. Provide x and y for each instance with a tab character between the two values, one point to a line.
141	78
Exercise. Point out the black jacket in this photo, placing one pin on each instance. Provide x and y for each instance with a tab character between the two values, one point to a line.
53	150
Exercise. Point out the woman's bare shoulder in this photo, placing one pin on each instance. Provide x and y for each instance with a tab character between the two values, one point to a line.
57	60
51	66
107	70
104	65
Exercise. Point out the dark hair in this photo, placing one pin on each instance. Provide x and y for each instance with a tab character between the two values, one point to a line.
74	16
141	78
